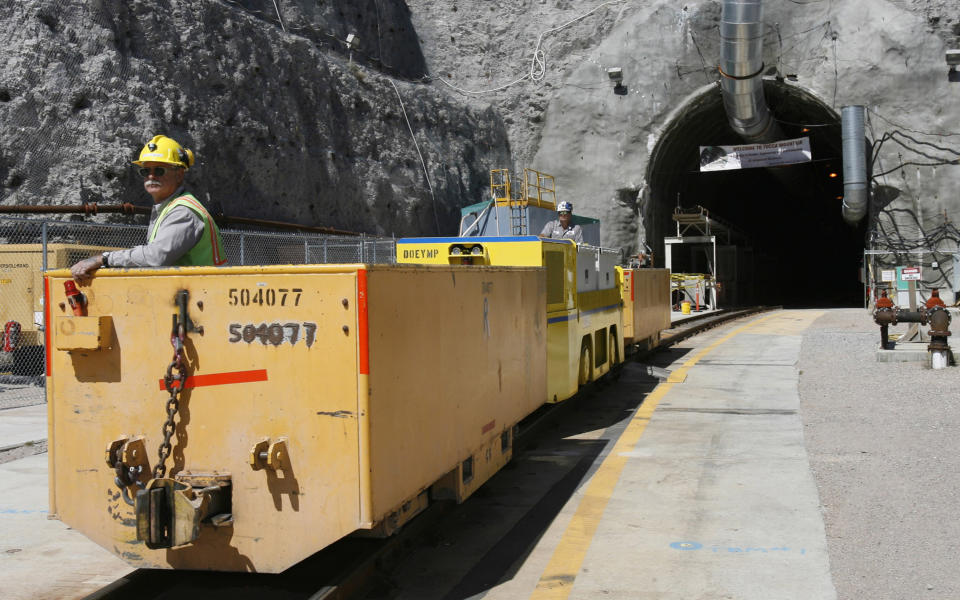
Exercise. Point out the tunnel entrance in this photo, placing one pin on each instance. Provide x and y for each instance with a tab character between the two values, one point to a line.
794	249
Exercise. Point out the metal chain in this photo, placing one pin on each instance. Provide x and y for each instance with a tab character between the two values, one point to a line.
173	402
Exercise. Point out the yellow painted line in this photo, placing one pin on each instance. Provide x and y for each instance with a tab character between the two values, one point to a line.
561	572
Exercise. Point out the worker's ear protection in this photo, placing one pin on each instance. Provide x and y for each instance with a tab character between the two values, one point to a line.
185	156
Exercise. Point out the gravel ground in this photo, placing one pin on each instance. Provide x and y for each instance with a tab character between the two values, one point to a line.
15	396
885	451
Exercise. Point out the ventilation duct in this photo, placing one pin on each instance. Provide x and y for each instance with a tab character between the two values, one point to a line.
854	164
741	68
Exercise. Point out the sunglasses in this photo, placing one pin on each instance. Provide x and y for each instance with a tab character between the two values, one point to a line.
156	171
564	212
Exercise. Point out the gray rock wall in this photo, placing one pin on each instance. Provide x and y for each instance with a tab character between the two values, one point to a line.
286	126
290	124
887	55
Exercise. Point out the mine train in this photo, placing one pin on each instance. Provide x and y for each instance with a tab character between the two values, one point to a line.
306	403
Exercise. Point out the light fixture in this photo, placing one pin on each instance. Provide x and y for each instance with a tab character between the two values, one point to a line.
953	59
833	175
616	76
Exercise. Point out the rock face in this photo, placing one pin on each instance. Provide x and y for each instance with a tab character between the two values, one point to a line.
290	123
885	55
287	122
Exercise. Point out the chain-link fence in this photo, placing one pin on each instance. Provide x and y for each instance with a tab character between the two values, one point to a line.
30	246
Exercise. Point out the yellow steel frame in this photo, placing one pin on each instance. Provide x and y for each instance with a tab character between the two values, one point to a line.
537	189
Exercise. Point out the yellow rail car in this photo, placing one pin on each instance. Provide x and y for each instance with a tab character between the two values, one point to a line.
21	294
583	301
646	311
319	401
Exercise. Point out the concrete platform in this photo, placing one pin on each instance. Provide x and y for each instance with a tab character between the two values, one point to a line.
21	426
711	496
909	352
40	558
703	491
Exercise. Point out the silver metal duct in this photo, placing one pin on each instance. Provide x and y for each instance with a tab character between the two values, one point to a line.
741	67
854	164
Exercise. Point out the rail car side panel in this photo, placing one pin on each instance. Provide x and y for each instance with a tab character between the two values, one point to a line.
457	357
21	283
277	359
646	302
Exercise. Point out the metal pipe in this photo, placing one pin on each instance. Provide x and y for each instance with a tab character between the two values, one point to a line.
92	208
936	315
939	348
741	70
896	315
854	164
476	223
884	305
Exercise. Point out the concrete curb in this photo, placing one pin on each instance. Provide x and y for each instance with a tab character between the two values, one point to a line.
22	450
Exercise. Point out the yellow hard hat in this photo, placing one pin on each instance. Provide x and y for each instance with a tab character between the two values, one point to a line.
162	149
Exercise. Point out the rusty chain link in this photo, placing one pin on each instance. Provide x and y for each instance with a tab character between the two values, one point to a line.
173	402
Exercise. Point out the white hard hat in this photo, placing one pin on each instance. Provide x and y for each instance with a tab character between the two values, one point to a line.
565	207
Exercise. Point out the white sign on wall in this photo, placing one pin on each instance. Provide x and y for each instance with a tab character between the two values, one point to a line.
728	158
910	274
888	275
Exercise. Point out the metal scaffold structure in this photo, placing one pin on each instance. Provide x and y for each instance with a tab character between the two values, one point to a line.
709	238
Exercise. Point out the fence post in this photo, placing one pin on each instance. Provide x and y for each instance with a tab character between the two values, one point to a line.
43	249
43	244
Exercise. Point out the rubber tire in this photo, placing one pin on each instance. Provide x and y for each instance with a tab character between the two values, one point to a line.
586	367
612	354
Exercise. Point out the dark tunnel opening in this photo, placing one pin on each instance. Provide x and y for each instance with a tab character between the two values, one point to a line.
793	247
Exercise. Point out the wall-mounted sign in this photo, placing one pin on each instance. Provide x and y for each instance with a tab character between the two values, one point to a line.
888	275
728	158
910	274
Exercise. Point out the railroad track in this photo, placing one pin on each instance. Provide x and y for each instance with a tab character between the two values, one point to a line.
353	567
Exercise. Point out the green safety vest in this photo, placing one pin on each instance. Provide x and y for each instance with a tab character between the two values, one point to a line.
209	249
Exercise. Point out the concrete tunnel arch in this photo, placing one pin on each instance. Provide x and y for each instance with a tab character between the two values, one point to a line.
795	248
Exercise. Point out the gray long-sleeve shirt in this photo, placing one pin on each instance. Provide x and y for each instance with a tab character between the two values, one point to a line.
553	229
180	231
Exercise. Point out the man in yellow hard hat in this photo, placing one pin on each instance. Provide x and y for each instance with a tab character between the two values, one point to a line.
181	231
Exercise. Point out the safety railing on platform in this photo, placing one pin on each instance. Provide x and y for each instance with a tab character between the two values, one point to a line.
28	247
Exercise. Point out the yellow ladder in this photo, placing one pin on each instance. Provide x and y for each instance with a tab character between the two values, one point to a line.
500	187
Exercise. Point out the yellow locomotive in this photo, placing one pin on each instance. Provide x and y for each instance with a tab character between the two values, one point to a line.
306	403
